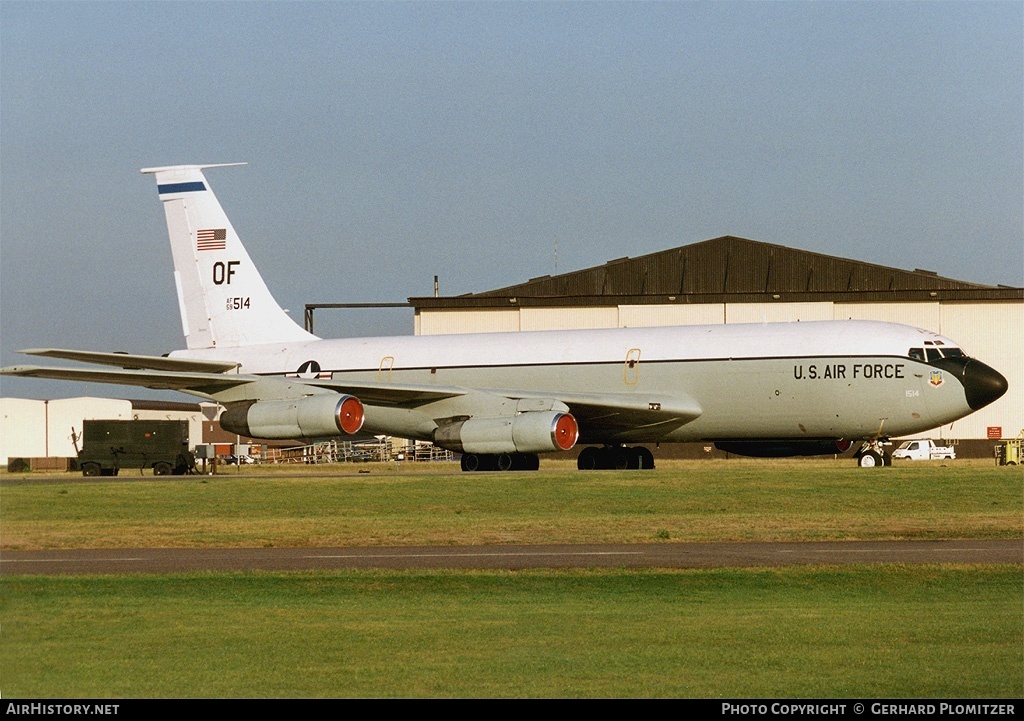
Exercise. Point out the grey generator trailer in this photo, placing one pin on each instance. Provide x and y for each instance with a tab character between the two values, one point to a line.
109	446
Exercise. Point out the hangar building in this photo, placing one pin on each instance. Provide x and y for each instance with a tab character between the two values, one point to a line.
735	280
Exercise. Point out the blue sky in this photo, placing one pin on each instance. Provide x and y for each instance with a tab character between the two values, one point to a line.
391	142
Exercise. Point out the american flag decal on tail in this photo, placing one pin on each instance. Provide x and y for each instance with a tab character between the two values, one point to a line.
214	239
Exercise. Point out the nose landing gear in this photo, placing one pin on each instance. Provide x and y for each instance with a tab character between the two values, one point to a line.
873	454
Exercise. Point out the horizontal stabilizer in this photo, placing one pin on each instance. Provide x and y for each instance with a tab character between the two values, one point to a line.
139	362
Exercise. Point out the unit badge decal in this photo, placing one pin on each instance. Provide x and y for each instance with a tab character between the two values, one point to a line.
935	378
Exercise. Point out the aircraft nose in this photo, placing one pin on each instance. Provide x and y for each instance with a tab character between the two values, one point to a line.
982	384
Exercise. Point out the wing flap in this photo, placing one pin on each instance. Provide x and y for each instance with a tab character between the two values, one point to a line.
625	417
388	394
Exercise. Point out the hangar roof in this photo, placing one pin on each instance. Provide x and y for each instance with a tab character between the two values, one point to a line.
729	269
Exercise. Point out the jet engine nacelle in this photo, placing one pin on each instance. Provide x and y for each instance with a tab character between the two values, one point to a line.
531	432
783	449
310	417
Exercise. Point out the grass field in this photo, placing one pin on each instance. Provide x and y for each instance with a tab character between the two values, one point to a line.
799	632
858	631
724	501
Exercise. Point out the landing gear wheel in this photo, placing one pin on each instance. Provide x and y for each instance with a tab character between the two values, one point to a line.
623	459
525	462
480	462
645	459
505	462
588	459
870	459
614	457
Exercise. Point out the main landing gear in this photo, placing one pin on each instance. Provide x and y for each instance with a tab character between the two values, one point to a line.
590	458
873	454
500	462
614	457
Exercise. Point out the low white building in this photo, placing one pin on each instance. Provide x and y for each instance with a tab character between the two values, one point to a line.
48	428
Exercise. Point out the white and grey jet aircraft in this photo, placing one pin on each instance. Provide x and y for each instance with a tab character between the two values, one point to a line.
499	399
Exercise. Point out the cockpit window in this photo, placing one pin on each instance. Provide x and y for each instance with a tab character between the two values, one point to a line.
932	353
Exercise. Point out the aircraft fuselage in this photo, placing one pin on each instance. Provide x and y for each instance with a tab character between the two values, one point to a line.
813	380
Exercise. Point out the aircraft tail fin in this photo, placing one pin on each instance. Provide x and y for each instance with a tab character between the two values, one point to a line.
223	300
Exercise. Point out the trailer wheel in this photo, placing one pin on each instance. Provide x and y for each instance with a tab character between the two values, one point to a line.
90	469
162	469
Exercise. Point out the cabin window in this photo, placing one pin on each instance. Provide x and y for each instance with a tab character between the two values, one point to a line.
932	354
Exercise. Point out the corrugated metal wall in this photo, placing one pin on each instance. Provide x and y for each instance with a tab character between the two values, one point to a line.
638	316
568	318
776	312
443	322
919	315
994	333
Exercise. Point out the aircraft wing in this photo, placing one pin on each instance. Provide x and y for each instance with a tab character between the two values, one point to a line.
203	383
127	360
615	416
603	417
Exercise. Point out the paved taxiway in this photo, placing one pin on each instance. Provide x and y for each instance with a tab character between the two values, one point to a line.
656	555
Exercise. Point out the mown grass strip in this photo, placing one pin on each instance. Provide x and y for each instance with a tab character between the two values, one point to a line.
728	501
798	632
